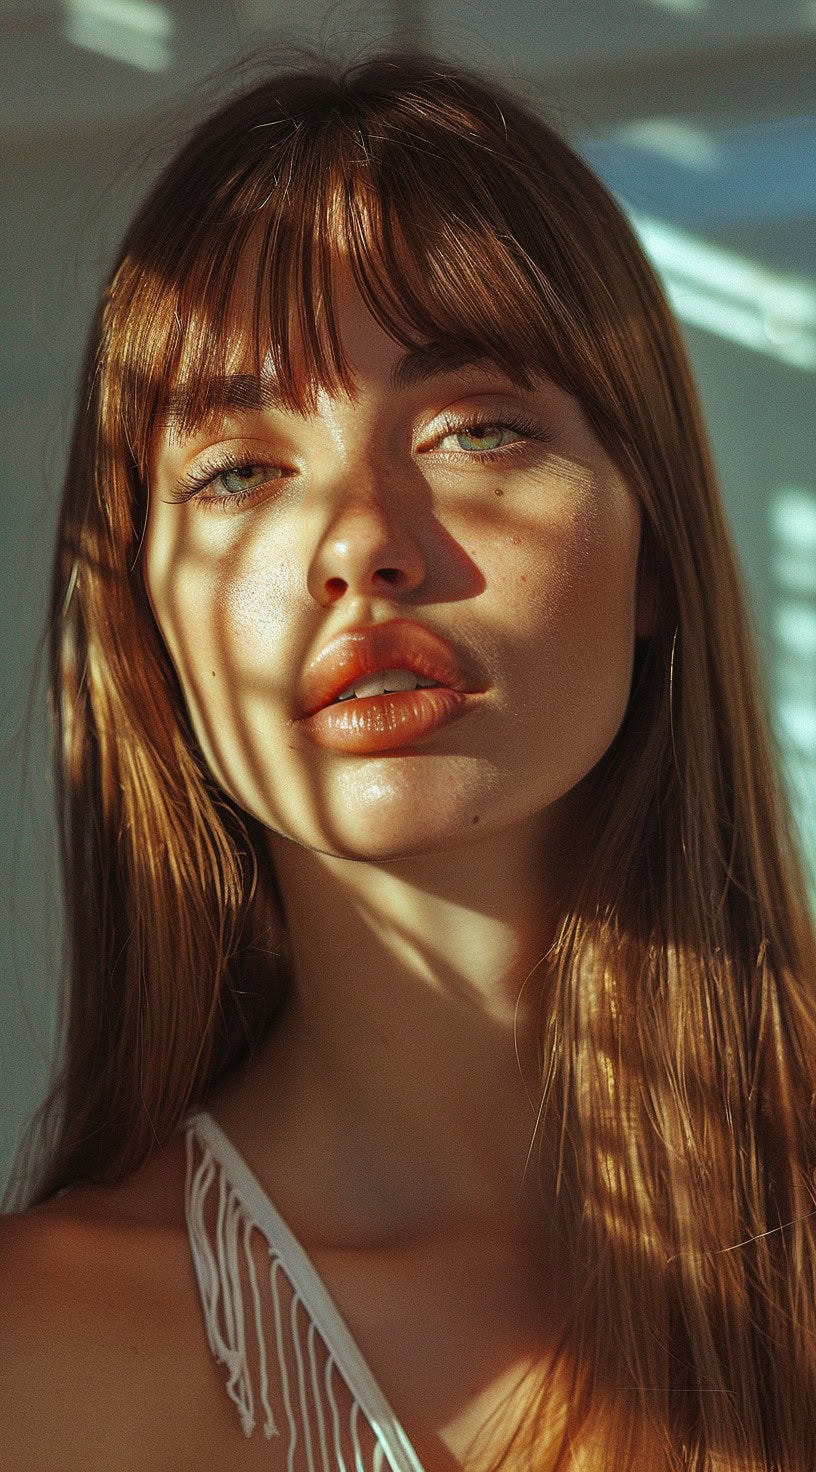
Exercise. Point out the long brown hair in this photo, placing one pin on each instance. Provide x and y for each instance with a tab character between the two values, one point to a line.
679	1045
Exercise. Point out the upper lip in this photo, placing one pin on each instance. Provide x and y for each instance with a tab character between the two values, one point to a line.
398	644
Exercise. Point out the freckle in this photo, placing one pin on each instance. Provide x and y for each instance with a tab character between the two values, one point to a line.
212	672
523	577
498	491
476	819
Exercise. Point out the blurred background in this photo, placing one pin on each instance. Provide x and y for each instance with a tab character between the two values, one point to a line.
699	114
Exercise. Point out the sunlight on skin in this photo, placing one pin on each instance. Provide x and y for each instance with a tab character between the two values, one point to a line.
536	590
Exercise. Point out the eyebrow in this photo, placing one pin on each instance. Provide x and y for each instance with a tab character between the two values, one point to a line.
432	360
246	393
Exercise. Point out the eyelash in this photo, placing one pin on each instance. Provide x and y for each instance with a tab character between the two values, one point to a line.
194	483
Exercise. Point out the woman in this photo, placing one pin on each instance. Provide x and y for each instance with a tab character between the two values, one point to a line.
493	991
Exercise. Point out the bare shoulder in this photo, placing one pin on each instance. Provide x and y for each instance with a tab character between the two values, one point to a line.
44	1328
98	1317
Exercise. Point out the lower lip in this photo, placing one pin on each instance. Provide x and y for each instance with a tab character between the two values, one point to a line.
384	722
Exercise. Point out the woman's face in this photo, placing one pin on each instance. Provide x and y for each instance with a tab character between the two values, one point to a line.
485	513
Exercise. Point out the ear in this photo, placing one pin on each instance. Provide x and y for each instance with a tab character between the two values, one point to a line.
646	604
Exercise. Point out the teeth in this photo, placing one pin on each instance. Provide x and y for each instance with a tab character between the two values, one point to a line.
386	680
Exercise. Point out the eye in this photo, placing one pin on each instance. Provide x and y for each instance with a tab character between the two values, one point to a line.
481	436
242	478
484	438
226	479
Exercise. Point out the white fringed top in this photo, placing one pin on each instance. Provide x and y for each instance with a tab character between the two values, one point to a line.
263	1302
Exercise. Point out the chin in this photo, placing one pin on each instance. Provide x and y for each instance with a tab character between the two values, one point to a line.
366	839
380	848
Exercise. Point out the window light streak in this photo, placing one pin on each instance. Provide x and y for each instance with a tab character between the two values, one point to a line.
731	296
796	720
796	574
792	516
732	275
793	520
682	7
674	139
793	528
795	628
738	324
142	16
137	32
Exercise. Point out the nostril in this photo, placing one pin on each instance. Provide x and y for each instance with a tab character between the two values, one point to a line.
389	574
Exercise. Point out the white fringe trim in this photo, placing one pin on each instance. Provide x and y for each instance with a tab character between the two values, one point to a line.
317	1435
219	1282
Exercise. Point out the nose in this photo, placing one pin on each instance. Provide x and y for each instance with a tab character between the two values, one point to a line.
367	548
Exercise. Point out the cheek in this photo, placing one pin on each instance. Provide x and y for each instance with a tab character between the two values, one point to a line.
576	573
224	615
221	612
568	608
253	600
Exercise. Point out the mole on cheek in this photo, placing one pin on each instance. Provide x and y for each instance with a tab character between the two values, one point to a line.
498	491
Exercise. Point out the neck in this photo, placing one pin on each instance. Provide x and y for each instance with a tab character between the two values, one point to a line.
407	1062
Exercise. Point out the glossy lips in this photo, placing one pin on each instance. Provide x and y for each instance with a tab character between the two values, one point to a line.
381	722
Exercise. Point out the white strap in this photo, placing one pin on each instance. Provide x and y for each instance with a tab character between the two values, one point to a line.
243	1202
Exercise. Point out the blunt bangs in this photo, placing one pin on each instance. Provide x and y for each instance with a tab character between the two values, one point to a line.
453	229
